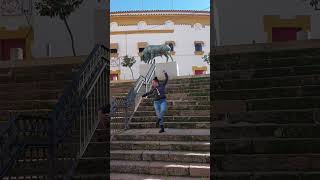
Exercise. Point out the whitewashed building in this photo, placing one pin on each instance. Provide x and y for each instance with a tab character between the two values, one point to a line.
264	21
186	32
39	37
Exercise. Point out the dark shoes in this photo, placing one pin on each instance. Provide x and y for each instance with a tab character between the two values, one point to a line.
161	129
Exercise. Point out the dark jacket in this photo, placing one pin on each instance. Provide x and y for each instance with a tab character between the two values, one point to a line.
158	92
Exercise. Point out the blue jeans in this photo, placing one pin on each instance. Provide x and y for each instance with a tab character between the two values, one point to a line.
160	107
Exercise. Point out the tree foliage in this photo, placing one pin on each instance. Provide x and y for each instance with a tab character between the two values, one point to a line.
128	62
59	8
314	3
207	59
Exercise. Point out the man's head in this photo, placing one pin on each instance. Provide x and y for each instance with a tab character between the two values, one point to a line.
155	82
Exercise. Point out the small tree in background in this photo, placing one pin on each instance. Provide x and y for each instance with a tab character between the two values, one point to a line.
206	58
314	3
59	8
128	62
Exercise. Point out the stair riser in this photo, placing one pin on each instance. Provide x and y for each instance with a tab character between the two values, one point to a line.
283	131
266	82
41	77
293	175
267	146
175	113
161	138
268	104
27	105
159	146
31	95
160	157
169	171
266	163
236	64
183	97
167	119
175	108
276	72
268	93
177	103
40	85
166	125
278	117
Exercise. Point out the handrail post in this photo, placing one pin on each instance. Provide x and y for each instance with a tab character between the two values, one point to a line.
51	152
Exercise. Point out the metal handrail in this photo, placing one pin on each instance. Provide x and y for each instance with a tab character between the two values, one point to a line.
76	112
125	107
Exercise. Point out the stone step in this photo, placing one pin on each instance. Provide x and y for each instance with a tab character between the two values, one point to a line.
161	168
266	162
170	134
180	97
175	125
267	130
236	64
37	77
188	86
267	104
161	145
260	55
276	117
177	107
284	81
274	92
268	175
167	119
157	155
147	102
35	85
31	95
267	146
267	73
175	113
125	176
193	79
28	104
191	91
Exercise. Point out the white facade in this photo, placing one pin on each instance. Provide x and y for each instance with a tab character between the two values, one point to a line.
50	34
242	22
184	37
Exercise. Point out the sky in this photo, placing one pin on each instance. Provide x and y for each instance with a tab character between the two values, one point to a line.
126	5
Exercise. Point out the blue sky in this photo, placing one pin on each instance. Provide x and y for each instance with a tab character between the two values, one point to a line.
125	5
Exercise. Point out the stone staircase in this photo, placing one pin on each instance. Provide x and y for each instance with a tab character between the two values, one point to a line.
266	114
33	91
182	152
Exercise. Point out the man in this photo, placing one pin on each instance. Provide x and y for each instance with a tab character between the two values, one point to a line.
160	102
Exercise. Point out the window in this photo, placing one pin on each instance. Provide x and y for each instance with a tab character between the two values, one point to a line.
114	51
198	46
141	46
140	50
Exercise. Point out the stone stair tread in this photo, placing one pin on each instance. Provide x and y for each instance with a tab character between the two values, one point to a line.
188	132
117	176
186	153
246	124
179	122
159	164
162	143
